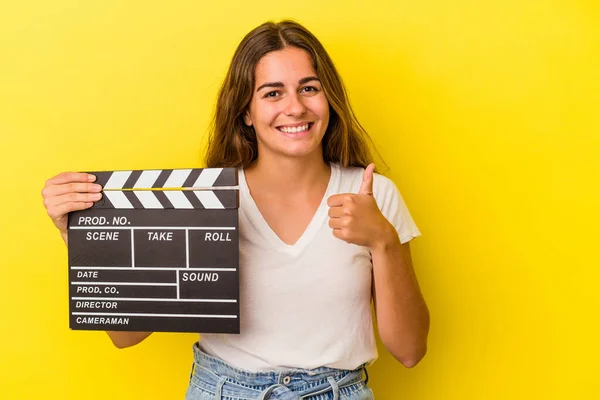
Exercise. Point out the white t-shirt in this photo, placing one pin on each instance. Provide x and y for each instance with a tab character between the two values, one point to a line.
308	304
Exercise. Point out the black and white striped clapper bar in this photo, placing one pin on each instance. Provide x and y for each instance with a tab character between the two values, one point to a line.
159	252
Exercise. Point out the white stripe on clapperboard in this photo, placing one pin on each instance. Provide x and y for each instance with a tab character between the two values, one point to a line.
176	179
147	179
191	228
178	199
155	299
126	283
118	199
157	315
117	180
153	268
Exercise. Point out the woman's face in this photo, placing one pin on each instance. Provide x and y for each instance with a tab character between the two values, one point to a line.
289	110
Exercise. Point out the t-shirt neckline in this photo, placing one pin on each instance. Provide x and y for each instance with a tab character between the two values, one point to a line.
253	214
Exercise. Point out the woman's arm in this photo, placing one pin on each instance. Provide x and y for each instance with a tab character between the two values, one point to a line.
122	339
401	313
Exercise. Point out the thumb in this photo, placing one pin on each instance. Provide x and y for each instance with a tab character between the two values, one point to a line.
366	186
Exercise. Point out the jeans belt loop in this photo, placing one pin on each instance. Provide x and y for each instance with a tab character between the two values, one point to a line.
220	388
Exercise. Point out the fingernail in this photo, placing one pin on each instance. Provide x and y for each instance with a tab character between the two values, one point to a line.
96	196
89	204
91	178
97	187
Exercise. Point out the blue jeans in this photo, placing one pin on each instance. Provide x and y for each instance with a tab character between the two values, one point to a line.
213	379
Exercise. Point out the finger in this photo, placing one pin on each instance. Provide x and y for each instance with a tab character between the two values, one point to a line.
335	223
339	233
336	212
337	200
63	209
57	190
367	183
72	197
67	177
340	223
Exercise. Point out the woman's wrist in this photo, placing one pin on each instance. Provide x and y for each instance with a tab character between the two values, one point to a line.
387	239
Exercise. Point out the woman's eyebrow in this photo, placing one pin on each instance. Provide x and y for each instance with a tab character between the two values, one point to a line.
308	79
270	84
280	84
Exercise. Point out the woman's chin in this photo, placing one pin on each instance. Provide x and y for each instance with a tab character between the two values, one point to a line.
306	146
300	151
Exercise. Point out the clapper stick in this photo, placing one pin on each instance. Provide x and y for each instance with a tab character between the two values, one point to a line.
206	178
159	252
183	188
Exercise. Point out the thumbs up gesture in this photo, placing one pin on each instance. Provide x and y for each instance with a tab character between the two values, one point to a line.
356	218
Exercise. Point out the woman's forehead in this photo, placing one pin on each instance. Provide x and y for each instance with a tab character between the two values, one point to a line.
288	64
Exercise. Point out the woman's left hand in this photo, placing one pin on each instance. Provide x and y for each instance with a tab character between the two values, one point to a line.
356	218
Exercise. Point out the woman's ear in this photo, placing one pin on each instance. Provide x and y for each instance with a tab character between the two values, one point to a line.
247	119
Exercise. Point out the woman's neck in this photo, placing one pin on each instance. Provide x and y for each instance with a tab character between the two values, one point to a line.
284	175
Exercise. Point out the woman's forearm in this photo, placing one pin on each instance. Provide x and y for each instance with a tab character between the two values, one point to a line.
402	314
127	339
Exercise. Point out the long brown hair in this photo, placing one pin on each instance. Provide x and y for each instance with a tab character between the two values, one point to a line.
233	144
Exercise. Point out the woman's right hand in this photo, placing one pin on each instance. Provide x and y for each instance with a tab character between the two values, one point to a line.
66	192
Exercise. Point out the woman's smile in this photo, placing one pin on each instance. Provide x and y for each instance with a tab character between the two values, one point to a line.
297	130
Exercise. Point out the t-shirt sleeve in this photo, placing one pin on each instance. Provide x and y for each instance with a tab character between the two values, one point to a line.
393	207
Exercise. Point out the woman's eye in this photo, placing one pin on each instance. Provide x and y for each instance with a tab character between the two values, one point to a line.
309	89
271	94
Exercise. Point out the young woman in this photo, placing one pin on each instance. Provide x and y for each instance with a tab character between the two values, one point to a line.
321	234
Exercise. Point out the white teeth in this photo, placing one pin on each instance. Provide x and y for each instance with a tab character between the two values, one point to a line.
294	129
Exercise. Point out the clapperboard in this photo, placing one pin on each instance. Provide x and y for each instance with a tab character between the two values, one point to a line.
159	252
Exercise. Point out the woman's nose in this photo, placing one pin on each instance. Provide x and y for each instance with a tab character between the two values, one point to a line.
295	106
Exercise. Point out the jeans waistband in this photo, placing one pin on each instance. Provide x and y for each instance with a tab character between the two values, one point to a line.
217	376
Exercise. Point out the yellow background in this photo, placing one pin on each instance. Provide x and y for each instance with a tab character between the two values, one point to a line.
486	112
